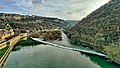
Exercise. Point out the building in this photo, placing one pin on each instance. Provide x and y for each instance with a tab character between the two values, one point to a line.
5	33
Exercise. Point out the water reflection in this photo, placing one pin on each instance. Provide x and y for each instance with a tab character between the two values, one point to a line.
103	62
24	43
45	56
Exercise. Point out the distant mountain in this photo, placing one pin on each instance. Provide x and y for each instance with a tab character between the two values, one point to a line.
100	30
31	22
71	23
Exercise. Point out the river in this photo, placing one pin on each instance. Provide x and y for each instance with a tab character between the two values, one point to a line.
47	56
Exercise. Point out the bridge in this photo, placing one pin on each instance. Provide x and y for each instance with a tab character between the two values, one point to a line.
11	44
68	48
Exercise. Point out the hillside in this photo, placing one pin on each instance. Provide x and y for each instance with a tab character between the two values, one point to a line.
100	30
31	22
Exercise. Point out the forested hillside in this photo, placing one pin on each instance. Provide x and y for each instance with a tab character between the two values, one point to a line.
31	22
100	30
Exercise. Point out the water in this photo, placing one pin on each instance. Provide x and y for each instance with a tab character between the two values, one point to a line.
46	56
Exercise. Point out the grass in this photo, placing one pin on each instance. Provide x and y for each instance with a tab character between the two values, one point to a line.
2	51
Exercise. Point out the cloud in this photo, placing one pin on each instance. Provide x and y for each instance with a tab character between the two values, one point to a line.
81	8
1	7
66	9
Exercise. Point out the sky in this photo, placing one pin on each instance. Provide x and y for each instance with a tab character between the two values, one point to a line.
64	9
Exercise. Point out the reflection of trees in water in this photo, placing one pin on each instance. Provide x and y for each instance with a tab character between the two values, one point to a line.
101	61
23	43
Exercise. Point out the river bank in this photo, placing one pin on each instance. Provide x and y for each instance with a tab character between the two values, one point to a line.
47	35
112	50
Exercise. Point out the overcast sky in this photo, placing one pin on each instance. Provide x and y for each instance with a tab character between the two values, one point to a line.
64	9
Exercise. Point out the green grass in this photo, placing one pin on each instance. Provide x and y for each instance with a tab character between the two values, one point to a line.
2	51
1	27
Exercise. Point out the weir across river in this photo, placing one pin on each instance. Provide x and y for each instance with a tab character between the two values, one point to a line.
69	48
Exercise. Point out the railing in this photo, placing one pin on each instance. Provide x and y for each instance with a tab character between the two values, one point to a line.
13	41
2	45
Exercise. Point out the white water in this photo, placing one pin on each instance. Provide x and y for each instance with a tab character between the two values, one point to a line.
68	48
